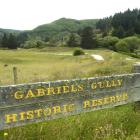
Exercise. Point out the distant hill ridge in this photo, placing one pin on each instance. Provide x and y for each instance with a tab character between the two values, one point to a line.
67	24
62	26
9	30
62	23
56	29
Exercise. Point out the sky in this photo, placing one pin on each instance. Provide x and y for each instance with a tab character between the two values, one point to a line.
28	14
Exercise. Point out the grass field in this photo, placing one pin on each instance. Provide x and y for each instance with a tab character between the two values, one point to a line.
120	123
53	63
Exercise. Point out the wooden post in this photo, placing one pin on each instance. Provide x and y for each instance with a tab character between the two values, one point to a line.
15	75
136	69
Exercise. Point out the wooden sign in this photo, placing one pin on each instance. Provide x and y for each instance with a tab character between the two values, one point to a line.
30	103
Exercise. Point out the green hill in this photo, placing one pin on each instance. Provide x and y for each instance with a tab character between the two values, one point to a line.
65	24
62	25
57	32
9	31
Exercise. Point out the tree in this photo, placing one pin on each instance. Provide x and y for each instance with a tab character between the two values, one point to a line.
72	42
119	32
104	25
22	37
5	41
87	40
129	44
127	23
12	42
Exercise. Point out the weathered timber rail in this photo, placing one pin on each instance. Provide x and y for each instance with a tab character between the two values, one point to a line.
28	103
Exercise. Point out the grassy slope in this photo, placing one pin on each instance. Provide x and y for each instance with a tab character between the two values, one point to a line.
49	64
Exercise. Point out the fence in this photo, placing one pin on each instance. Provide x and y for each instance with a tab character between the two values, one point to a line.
29	103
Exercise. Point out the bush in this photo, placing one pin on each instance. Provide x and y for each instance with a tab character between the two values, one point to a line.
33	44
74	40
133	43
122	46
108	42
29	44
78	52
129	44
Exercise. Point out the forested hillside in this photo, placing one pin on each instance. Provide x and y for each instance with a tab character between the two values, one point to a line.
7	31
121	32
57	32
121	24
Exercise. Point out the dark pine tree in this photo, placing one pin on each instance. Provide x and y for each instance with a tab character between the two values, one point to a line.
104	25
119	32
12	42
87	41
5	41
21	38
126	23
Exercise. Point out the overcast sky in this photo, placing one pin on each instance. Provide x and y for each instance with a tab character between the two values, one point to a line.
27	14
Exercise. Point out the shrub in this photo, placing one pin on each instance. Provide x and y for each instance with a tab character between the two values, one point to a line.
33	44
122	46
78	52
108	42
29	44
74	40
129	44
133	43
